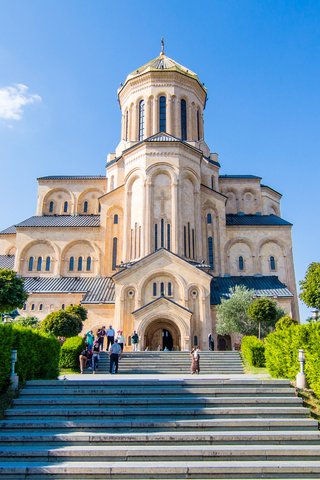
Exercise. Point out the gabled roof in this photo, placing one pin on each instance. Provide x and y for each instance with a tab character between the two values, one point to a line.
9	231
263	286
72	177
95	289
7	261
162	137
254	220
156	300
61	221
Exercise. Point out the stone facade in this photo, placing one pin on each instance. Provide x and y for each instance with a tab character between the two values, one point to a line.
162	223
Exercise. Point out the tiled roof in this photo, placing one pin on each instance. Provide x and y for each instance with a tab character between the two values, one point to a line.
95	289
9	231
61	221
7	261
263	286
72	177
236	219
240	176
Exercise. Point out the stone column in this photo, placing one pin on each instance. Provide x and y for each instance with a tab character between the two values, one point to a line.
169	115
175	217
189	122
148	118
155	126
177	118
127	226
197	224
147	217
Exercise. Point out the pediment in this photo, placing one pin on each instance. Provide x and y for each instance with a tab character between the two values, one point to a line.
162	307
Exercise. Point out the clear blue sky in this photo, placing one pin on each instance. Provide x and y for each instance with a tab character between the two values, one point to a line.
259	59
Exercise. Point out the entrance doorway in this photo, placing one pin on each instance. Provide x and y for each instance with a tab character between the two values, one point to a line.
161	334
224	342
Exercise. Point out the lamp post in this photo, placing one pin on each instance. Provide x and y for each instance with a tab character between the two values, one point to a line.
14	379
301	378
315	315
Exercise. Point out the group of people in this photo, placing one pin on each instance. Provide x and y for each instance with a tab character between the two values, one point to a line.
89	357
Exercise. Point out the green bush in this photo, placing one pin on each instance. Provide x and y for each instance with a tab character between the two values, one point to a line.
38	353
62	324
70	351
253	351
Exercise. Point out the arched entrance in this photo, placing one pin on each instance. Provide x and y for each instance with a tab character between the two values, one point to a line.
224	342
161	334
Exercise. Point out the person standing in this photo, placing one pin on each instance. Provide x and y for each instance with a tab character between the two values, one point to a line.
135	341
195	360
101	334
121	340
211	341
110	336
83	358
114	355
95	356
90	339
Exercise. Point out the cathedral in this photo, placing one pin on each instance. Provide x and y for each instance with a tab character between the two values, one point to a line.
157	242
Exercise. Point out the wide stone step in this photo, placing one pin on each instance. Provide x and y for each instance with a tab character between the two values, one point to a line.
175	469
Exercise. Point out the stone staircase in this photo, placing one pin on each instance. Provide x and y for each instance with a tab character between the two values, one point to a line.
174	362
191	428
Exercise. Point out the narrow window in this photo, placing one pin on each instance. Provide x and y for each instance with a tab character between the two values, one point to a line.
156	236
114	253
99	208
129	340
168	236
209	218
85	207
127	125
116	219
141	120
32	306
272	263
71	264
48	264
169	289
30	265
162	233
40	306
198	124
154	289
241	264
39	264
189	243
51	207
212	182
65	207
193	244
183	120
195	340
185	240
88	264
62	306
162	289
80	264
162	114
210	252
25	306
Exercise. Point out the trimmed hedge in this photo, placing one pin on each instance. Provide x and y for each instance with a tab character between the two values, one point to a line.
252	350
281	351
70	351
38	354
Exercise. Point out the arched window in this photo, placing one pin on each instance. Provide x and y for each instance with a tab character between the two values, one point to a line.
198	124
71	264
62	306
141	119
88	264
85	206
183	120
185	240
48	264
126	126
51	206
32	306
162	233
80	264
39	264
168	236
30	264
25	306
162	114
99	208
209	218
116	219
154	289
65	207
40	306
156	236
169	289
114	253
162	289
210	252
272	263
241	264
195	341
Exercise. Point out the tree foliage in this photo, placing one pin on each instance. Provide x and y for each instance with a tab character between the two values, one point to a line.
285	322
12	293
33	322
310	286
62	324
264	311
232	314
78	311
